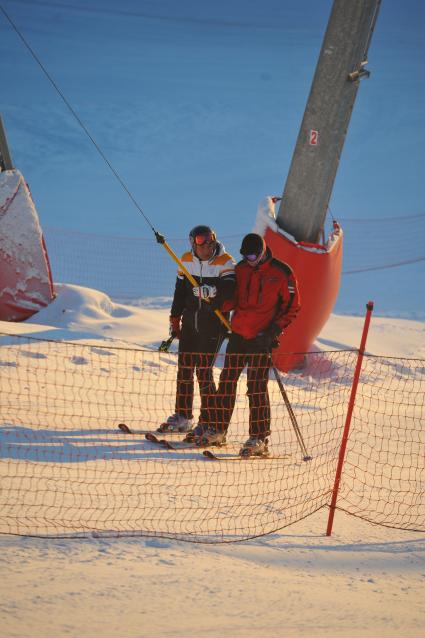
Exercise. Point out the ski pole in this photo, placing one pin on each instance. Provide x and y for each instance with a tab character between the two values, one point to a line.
161	240
292	416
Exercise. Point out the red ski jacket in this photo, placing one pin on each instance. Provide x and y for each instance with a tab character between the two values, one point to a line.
265	294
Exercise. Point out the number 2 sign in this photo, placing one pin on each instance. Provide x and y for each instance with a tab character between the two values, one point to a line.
313	137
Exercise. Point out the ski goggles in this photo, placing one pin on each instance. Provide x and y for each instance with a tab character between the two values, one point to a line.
251	257
203	240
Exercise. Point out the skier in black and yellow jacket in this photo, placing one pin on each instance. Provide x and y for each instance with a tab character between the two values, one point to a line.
195	324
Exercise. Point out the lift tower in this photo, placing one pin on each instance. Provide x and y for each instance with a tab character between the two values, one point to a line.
340	68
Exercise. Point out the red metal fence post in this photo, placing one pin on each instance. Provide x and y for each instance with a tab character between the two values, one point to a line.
369	308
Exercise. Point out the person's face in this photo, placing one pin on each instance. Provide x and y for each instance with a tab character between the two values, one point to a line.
204	247
205	251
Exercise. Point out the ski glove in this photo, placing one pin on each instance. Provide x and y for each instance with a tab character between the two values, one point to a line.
205	292
175	328
268	339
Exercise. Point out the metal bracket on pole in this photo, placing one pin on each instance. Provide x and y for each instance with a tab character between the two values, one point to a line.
5	157
360	74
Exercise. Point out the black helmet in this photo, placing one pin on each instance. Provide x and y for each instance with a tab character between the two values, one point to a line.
253	244
205	235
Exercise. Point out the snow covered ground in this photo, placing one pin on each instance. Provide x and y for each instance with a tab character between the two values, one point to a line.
363	581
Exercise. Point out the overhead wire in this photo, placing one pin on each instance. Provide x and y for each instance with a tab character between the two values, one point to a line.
77	118
178	19
159	238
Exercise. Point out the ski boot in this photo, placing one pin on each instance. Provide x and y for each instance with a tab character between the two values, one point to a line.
176	423
197	432
254	446
211	437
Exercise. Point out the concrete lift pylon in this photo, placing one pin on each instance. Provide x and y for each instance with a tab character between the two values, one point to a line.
295	235
340	67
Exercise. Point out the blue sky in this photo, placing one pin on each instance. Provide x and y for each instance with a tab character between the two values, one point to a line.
198	105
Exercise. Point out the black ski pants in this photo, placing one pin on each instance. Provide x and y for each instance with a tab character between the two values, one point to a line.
197	353
243	352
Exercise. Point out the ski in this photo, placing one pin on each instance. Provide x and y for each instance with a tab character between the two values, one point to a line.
237	457
174	445
183	445
124	428
127	430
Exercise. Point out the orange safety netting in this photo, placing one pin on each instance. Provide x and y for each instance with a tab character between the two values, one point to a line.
66	469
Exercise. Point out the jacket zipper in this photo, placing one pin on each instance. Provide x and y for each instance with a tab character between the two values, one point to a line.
199	298
260	291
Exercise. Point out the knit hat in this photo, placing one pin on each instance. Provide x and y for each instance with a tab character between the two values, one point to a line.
253	244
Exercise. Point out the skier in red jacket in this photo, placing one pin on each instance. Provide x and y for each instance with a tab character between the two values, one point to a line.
266	301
